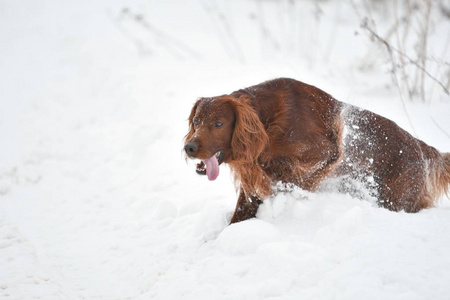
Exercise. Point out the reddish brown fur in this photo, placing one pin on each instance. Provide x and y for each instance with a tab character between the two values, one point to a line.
285	130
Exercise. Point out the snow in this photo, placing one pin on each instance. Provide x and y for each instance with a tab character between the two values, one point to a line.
97	201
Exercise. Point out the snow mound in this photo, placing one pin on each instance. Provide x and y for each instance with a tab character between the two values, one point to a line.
246	237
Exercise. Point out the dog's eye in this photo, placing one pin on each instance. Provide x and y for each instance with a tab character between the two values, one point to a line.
196	122
218	124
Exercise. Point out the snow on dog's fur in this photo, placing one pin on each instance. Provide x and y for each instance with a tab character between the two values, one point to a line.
287	131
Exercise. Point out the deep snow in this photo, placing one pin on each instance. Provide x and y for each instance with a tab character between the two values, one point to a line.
97	202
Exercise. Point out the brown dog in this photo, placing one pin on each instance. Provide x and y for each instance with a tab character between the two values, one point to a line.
287	131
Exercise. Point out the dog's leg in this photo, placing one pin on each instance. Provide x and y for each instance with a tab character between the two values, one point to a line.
246	208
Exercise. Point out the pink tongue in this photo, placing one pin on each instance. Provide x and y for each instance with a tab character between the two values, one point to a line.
212	168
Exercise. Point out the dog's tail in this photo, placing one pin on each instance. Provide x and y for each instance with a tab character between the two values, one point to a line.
445	173
441	178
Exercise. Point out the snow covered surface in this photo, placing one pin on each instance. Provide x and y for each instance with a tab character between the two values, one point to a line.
97	202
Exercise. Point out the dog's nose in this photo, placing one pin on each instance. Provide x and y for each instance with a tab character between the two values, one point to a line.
191	148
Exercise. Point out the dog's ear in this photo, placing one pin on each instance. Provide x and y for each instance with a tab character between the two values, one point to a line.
249	136
191	131
248	142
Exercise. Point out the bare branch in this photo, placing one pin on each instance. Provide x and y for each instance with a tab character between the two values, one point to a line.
440	128
391	50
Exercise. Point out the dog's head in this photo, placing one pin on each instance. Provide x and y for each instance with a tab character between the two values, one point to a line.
223	130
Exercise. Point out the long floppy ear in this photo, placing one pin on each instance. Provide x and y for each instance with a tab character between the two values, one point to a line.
191	121
249	136
248	142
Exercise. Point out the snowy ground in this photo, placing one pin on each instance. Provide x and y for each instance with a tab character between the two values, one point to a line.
97	202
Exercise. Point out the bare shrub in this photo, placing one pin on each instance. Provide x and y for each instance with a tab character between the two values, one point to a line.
415	70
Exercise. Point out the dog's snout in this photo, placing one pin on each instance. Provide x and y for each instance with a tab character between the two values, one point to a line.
191	148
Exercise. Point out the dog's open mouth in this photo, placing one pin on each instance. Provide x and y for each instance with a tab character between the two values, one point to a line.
210	166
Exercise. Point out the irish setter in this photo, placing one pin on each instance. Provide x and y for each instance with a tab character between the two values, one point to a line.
287	131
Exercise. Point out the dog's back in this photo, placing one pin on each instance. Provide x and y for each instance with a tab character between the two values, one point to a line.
400	170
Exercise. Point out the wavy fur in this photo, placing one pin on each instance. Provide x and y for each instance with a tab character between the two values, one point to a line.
287	131
249	141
